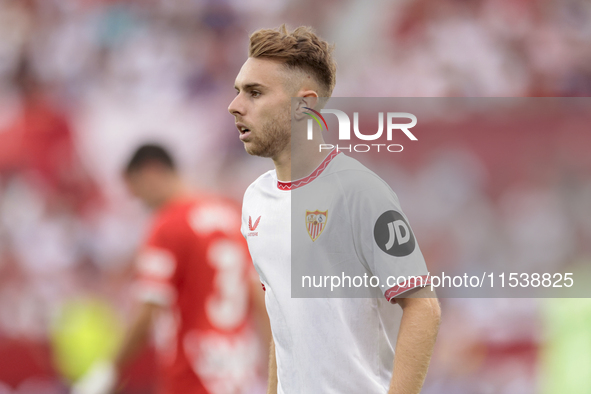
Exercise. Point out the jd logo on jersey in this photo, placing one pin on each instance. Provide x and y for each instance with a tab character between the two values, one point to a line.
315	223
393	235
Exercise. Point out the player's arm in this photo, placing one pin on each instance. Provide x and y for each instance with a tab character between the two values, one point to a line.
272	387
421	315
103	376
257	300
137	334
153	290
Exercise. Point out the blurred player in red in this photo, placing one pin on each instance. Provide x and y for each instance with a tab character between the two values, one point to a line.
193	285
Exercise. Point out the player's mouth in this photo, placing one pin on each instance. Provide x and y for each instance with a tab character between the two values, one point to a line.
244	131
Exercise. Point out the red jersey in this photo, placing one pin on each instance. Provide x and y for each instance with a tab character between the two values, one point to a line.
196	263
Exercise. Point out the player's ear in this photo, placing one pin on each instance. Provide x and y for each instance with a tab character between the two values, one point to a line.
298	108
309	99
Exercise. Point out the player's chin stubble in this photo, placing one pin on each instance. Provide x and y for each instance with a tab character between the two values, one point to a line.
272	138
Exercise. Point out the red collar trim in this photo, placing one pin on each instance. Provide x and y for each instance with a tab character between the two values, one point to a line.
309	178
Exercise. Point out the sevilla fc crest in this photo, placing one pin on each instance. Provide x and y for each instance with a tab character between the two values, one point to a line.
315	223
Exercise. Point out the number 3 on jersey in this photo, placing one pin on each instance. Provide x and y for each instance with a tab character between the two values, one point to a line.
227	306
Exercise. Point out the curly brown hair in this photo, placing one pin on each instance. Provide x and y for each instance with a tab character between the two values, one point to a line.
301	50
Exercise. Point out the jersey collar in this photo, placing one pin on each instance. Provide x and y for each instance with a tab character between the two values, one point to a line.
304	181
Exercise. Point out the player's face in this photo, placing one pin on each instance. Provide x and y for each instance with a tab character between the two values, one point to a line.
262	107
144	184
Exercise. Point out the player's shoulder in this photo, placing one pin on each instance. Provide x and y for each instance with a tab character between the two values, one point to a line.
167	223
172	212
212	212
264	183
195	208
354	177
208	201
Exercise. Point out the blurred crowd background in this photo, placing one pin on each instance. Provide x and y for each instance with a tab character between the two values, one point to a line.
84	82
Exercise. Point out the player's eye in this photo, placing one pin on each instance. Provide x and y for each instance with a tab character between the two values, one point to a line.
255	93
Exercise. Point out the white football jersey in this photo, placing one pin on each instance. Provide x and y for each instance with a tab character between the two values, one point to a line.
342	220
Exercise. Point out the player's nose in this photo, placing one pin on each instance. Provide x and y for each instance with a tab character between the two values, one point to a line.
236	107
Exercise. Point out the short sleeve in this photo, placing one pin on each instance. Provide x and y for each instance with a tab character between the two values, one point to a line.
244	225
247	225
385	240
156	266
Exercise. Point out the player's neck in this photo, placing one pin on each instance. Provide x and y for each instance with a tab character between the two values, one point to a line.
298	162
176	190
283	165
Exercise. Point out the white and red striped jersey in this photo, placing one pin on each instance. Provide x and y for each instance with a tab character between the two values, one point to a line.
342	219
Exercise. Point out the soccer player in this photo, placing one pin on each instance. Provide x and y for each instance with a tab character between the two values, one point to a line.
192	284
344	216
